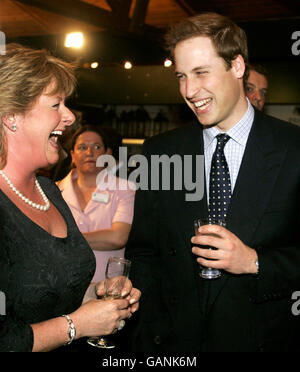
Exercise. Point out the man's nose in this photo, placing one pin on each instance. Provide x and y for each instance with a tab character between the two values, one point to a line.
257	95
191	88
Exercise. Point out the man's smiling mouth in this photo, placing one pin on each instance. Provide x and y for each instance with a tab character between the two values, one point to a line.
201	105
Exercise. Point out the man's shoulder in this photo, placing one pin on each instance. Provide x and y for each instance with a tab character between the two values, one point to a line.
174	138
283	130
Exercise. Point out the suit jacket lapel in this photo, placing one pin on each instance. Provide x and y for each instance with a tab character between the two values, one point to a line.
192	144
258	172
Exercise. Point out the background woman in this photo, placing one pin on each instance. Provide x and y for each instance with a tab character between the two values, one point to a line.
104	216
46	264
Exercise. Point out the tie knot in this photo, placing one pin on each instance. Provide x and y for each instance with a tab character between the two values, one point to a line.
222	140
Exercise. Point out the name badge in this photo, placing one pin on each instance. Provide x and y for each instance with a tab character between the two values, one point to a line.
100	198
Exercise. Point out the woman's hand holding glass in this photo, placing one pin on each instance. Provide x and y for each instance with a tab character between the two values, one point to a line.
103	316
129	293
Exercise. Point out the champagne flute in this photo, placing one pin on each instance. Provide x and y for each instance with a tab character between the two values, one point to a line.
208	272
116	275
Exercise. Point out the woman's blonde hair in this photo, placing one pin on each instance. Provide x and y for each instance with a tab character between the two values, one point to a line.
25	73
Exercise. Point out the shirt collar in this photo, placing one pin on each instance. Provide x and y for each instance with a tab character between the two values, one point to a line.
239	133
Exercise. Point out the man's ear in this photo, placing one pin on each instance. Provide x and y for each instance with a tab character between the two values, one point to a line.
238	66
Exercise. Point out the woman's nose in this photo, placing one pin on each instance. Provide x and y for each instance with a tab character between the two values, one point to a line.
68	117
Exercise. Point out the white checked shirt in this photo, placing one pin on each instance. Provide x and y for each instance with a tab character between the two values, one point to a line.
234	149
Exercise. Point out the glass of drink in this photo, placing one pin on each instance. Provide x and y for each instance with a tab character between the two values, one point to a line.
208	272
116	275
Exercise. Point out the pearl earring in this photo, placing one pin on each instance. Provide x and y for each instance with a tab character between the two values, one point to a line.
14	127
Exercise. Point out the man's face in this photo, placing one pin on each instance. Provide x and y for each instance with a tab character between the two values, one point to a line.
214	93
256	89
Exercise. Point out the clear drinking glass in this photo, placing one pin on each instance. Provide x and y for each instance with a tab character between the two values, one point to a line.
116	275
208	272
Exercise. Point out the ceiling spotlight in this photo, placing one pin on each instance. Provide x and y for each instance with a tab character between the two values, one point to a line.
168	63
94	64
74	40
127	65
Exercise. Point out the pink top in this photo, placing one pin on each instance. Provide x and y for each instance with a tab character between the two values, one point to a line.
106	208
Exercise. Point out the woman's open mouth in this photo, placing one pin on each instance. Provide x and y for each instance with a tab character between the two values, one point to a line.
53	138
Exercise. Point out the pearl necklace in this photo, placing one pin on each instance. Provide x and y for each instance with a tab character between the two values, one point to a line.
26	200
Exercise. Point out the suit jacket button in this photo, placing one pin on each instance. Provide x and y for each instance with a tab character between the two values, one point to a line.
157	340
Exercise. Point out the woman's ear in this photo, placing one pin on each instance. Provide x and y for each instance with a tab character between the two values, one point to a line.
108	151
9	122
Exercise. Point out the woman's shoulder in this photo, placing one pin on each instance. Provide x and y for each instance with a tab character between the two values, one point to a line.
49	186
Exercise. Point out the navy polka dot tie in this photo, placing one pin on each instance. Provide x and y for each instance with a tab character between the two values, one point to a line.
219	183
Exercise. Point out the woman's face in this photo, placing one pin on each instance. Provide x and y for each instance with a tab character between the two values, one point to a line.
88	147
39	128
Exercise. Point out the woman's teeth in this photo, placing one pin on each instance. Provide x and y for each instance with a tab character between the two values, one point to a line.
54	135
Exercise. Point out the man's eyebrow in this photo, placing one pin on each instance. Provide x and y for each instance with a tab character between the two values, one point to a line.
194	69
200	68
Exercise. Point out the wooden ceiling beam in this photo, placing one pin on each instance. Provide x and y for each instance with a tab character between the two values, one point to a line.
78	10
121	7
186	7
102	18
139	15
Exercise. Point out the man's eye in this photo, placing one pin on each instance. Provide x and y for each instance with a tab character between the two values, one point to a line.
263	93
248	89
180	77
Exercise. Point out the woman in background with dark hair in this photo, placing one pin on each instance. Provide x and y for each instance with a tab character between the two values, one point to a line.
103	215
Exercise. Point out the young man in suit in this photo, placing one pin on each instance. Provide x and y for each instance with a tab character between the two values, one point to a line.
257	86
248	308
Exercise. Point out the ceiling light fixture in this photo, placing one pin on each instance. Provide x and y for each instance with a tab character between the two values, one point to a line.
94	65
74	40
127	65
168	63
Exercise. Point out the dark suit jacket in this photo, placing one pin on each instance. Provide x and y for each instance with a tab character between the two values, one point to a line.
180	311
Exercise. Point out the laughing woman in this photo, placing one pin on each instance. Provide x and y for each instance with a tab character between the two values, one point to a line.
46	264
